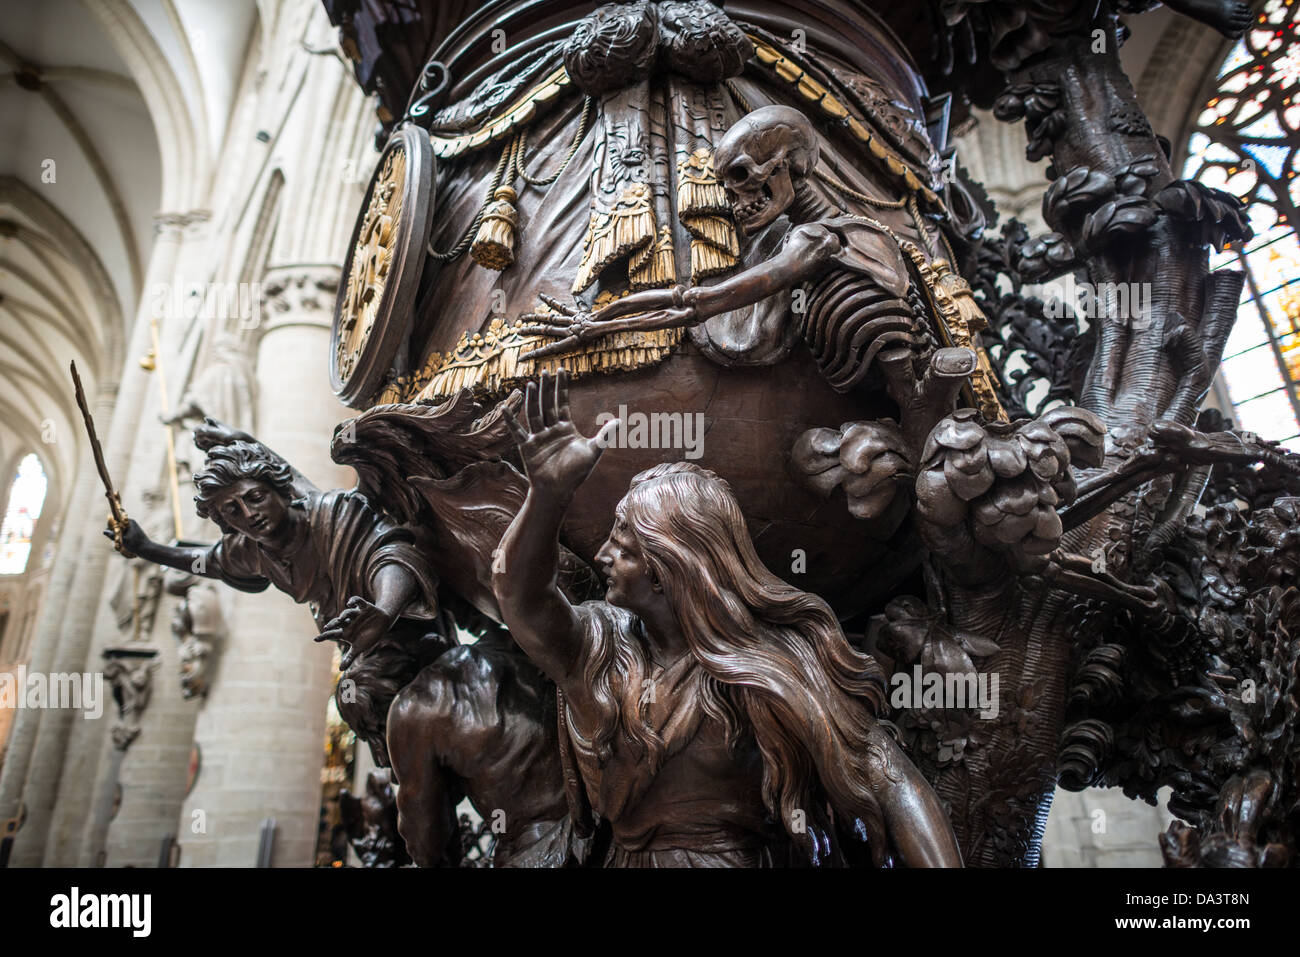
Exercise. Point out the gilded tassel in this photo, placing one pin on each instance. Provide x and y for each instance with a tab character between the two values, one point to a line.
494	245
703	209
958	291
698	189
654	266
715	230
629	228
708	260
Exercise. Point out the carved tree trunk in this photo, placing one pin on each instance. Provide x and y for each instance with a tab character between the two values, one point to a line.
1107	204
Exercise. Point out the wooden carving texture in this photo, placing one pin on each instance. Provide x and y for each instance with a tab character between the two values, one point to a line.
1021	495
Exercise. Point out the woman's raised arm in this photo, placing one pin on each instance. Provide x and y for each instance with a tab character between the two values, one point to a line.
557	458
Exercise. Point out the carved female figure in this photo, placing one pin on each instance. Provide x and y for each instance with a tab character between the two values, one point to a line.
713	711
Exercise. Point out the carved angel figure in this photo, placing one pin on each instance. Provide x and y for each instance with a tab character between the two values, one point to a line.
454	721
365	579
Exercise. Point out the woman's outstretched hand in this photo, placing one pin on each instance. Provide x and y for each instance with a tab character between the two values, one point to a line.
557	457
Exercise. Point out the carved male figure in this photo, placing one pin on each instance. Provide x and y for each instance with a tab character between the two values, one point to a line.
366	581
713	711
473	721
480	722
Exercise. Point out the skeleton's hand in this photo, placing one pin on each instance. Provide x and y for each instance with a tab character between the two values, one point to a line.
568	325
572	327
360	625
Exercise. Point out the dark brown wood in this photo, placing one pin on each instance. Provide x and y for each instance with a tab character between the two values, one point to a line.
744	218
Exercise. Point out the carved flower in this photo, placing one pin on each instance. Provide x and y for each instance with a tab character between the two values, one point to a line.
1037	103
1006	480
914	634
1043	257
869	460
698	40
613	47
1132	179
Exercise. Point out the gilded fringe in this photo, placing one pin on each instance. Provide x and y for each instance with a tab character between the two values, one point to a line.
628	228
489	363
715	248
704	211
708	260
654	266
698	189
715	230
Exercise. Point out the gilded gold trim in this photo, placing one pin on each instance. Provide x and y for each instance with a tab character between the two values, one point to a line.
522	112
814	92
629	228
488	363
372	259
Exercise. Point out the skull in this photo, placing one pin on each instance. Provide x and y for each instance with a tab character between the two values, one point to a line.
762	160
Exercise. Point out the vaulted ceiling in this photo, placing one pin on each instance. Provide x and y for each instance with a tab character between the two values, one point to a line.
111	112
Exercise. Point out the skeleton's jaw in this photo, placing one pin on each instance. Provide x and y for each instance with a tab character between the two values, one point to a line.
757	210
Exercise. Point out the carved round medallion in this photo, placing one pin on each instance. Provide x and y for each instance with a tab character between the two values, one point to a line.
382	271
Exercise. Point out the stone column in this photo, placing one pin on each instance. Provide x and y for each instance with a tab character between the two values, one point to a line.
155	772
45	638
262	729
40	755
130	671
77	830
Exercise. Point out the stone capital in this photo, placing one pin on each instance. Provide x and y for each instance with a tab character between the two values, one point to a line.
299	295
177	223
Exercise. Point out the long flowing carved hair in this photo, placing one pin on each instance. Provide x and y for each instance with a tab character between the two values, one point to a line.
777	661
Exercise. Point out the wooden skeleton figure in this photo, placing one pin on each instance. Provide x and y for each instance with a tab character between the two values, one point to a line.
855	271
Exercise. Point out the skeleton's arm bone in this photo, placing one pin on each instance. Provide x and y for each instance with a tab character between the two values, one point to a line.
805	253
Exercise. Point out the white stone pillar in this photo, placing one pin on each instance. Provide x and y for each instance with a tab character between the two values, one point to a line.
48	759
262	730
78	825
45	640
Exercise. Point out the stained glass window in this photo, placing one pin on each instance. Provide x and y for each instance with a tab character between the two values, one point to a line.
1245	142
26	497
